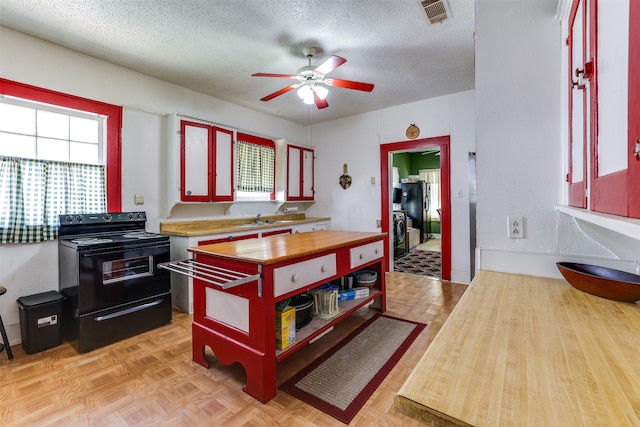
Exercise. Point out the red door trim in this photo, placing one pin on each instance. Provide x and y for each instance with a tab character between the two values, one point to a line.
445	177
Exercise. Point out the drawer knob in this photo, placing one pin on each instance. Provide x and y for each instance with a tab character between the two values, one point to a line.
294	278
377	251
323	268
361	256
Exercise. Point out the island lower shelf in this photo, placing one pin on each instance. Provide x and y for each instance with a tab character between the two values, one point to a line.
319	326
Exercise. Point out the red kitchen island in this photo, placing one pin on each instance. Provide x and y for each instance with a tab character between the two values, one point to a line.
238	283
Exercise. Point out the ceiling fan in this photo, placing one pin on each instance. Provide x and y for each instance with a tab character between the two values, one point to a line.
311	80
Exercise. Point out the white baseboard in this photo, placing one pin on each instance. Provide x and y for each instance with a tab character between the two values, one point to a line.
540	264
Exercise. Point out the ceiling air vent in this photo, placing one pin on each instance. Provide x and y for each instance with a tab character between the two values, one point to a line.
436	10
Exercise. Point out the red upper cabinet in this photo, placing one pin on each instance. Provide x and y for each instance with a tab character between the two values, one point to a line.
196	165
206	163
223	184
604	101
579	89
300	173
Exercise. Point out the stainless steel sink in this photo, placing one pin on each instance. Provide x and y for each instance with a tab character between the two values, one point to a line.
258	223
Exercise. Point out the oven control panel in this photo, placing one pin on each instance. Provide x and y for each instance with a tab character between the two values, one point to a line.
101	218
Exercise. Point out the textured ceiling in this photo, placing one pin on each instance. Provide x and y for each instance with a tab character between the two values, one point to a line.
213	46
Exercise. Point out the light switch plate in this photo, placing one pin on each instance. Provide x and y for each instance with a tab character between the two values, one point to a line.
138	199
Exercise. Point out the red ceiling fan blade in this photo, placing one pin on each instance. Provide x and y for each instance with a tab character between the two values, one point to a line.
330	64
280	92
320	103
348	84
282	76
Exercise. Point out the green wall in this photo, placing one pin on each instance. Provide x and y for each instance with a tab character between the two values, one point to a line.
402	161
411	163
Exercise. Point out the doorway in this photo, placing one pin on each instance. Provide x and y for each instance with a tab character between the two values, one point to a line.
386	152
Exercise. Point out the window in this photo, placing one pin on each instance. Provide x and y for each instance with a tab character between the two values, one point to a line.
432	176
255	168
58	154
40	131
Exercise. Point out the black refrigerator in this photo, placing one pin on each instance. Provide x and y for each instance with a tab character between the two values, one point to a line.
415	200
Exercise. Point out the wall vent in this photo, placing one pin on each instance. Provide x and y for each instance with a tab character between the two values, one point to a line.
436	10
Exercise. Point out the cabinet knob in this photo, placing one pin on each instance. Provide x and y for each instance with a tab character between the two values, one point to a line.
323	268
377	251
361	256
294	278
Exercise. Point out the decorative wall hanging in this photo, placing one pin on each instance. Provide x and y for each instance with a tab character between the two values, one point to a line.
413	131
345	179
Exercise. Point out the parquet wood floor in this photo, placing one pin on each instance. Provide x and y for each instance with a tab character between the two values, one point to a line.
150	379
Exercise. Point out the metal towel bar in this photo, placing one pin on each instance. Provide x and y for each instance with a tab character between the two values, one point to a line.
218	276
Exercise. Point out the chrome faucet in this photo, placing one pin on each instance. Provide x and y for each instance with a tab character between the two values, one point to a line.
258	218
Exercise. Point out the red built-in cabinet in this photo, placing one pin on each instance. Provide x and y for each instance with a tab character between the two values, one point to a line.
300	173
604	101
206	163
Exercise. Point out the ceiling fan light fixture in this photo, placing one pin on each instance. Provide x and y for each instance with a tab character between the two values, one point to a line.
321	91
306	93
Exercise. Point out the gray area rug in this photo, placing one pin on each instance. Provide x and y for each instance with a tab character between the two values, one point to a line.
341	381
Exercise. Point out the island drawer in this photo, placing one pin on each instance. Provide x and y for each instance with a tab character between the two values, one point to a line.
364	254
295	276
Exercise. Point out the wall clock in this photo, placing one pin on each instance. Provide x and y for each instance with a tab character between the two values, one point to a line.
413	131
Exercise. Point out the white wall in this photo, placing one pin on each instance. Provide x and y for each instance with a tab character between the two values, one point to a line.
519	138
26	269
356	141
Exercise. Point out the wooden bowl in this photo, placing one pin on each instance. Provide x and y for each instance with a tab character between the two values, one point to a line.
601	281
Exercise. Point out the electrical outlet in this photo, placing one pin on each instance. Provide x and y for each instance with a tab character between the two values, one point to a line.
516	227
139	199
378	223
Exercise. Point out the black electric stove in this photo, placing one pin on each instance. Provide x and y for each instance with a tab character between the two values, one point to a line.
107	269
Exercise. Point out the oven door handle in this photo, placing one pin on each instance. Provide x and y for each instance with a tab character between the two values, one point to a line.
128	310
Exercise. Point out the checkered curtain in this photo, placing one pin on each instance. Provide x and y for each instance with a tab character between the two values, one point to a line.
34	192
255	167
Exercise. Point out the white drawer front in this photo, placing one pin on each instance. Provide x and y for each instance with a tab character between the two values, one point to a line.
295	276
365	253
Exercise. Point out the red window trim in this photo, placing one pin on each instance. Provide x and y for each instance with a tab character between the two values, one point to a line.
252	139
114	127
245	137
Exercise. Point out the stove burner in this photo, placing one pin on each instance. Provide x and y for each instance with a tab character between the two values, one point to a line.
140	235
91	240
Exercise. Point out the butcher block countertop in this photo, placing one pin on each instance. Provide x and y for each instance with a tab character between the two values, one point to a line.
232	225
283	247
529	351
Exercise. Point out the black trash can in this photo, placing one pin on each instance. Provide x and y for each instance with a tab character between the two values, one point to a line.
40	316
